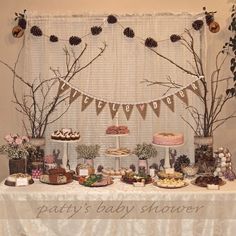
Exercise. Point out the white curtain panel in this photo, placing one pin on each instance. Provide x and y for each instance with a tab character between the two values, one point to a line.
116	76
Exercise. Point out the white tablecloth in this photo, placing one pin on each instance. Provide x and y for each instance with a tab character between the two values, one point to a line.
118	209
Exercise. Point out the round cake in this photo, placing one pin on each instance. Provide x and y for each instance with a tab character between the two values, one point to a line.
12	179
168	139
65	135
120	129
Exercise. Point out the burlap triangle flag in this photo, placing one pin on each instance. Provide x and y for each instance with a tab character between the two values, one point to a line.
127	108
169	101
142	108
62	87
156	105
113	109
99	106
74	94
195	88
86	100
182	95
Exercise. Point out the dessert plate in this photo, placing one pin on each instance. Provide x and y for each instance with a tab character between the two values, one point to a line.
46	182
170	187
204	186
13	184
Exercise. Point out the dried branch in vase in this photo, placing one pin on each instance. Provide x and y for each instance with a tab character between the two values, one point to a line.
207	121
35	104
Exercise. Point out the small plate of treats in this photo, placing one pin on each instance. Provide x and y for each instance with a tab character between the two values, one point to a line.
57	176
168	139
131	177
204	181
119	130
95	180
65	135
19	179
114	173
176	175
118	152
170	183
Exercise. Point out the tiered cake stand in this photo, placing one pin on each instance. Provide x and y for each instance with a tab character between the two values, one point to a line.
117	157
65	150
167	153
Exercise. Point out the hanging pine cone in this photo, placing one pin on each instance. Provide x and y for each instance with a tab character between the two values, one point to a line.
183	159
100	168
36	31
209	18
22	23
197	24
111	19
128	32
53	38
174	38
95	30
74	40
150	43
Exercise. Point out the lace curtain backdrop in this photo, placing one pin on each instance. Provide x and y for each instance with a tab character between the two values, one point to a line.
116	76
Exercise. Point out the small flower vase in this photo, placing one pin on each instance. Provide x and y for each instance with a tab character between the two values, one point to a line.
143	164
17	166
204	157
89	162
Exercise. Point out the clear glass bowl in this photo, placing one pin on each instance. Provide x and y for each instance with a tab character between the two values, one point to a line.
190	170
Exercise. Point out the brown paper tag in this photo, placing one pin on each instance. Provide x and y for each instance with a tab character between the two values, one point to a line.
74	94
113	109
99	106
142	108
195	88
86	100
127	108
62	88
182	95
169	101
156	105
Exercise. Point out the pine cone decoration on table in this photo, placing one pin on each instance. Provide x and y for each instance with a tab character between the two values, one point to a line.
174	38
100	168
111	19
74	40
36	31
183	159
53	38
95	30
22	23
197	24
132	167
150	43
209	19
128	32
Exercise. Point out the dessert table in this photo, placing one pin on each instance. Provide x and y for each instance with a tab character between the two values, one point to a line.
117	209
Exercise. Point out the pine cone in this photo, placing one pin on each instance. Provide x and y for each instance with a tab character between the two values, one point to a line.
197	24
128	32
53	38
22	23
209	19
150	43
36	31
174	38
111	19
183	159
74	40
95	30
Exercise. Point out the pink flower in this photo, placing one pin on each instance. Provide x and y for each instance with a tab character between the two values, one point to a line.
25	139
18	141
9	139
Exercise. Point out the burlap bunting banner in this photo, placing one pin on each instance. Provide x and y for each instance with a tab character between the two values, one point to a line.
74	94
156	105
169	101
113	109
127	108
62	87
86	100
142	108
182	95
99	106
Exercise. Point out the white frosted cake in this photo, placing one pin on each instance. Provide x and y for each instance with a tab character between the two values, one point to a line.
168	139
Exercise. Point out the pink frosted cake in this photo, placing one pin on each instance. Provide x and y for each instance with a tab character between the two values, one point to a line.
168	139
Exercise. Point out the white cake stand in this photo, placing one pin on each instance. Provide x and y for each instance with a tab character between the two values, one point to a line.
65	150
167	153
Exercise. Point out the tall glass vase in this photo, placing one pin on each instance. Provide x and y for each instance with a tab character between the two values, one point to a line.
204	157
